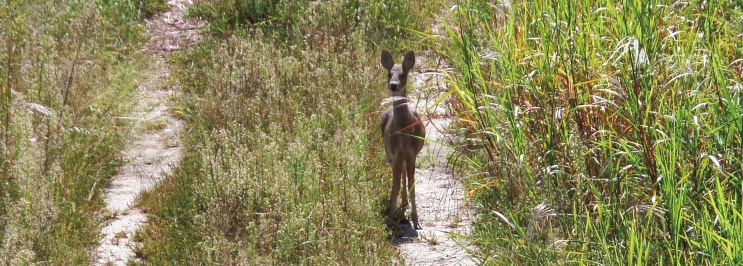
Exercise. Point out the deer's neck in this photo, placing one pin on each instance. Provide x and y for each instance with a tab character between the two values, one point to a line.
401	110
401	102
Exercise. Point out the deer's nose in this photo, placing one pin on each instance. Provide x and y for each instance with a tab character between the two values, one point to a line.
394	85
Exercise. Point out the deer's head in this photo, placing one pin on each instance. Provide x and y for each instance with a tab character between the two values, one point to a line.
397	74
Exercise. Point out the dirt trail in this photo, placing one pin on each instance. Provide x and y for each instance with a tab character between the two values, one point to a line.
154	148
439	195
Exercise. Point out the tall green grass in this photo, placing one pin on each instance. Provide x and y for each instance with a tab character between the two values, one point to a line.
277	168
284	162
600	131
66	69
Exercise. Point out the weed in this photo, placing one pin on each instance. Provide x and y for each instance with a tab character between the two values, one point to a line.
620	116
284	158
431	239
280	168
63	81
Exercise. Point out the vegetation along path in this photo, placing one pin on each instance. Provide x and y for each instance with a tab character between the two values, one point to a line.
154	147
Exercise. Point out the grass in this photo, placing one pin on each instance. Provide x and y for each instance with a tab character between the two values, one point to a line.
284	162
280	167
66	69
621	120
593	132
275	172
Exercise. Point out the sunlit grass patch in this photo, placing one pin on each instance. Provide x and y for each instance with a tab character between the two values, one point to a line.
284	164
66	69
623	117
278	166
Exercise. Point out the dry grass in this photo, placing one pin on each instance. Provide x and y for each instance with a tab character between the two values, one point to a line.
623	118
64	80
284	161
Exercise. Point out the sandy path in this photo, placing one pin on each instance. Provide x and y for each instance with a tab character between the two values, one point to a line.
154	148
439	195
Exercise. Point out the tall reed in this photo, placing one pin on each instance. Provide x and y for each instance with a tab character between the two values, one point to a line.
625	118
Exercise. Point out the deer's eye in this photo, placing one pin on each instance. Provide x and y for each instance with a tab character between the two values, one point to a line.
403	76
389	75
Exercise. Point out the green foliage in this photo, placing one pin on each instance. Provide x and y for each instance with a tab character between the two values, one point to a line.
123	18
128	11
387	23
391	21
279	17
624	118
279	168
63	81
284	163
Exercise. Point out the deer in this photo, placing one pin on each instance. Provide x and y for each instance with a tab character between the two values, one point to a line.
403	134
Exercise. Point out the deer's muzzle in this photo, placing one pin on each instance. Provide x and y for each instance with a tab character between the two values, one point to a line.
394	86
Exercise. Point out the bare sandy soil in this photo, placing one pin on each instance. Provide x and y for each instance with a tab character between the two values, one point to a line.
154	148
439	194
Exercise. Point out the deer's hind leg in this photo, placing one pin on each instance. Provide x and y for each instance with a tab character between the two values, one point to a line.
397	173
411	190
404	182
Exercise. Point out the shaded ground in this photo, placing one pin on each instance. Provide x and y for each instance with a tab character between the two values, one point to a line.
154	148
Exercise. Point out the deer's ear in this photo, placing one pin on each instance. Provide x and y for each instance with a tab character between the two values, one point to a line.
387	61
408	62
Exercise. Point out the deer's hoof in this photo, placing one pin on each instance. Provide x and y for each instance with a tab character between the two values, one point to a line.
416	226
